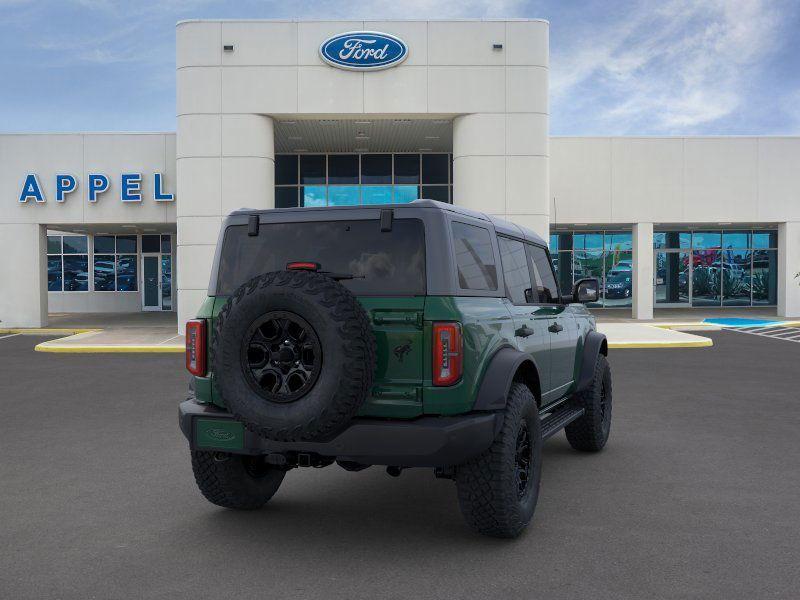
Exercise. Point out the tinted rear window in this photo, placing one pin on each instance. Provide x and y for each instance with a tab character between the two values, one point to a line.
391	263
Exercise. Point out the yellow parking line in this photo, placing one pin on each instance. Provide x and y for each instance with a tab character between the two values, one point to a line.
100	349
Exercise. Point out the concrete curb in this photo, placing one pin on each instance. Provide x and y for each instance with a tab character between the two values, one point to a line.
704	343
57	346
45	331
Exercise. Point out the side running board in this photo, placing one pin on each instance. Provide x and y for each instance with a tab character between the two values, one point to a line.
558	419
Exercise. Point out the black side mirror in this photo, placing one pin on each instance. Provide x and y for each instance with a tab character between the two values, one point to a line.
586	290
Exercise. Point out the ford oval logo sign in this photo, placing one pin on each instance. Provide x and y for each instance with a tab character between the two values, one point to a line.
363	50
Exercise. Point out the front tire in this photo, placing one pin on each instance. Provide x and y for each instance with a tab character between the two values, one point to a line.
235	481
590	432
498	490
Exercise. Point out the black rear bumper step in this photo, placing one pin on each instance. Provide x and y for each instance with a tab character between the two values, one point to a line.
423	442
559	418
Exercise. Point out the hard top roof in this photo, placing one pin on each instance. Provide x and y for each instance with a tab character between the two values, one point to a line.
500	225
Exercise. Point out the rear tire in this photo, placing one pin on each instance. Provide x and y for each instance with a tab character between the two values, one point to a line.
235	481
590	432
496	492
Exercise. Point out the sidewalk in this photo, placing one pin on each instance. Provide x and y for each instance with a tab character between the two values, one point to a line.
644	335
109	332
156	332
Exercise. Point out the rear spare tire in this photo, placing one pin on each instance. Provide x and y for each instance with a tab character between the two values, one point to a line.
293	355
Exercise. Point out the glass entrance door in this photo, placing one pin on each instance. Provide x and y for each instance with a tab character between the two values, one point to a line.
151	276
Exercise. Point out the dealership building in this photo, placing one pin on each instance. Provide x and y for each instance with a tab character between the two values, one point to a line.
274	114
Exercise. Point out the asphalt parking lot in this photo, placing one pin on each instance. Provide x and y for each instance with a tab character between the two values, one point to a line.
696	495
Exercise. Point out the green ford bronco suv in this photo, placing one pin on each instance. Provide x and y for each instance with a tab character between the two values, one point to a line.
414	335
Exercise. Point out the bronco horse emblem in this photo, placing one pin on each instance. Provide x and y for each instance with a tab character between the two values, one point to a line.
401	350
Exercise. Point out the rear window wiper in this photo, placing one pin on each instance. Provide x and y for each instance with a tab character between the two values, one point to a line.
316	267
340	276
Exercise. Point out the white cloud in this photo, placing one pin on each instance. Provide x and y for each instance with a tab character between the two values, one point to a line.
669	69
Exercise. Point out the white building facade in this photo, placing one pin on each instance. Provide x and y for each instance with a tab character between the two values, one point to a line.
269	116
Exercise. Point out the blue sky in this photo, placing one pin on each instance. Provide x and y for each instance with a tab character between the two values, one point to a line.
617	68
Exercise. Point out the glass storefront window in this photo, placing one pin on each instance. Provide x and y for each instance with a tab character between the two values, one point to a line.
151	243
588	241
701	268
75	244
736	277
765	277
434	168
405	193
706	239
54	273
285	197
672	278
376	194
67	263
618	241
343	169
343	195
126	274
76	273
376	168
727	277
312	168
104	272
286	169
54	244
314	195
320	176
406	168
706	277
672	239
435	192
618	281
104	244
166	244
765	239
736	239
166	282
126	244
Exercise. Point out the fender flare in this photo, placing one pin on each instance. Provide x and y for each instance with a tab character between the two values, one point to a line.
594	345
499	376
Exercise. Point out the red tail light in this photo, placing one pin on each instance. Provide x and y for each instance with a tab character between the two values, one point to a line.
447	353
302	266
196	347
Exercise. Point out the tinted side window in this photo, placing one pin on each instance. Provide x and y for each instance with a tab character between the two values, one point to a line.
543	273
515	270
474	257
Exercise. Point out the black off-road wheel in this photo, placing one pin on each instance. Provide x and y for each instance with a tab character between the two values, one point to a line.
498	490
235	481
590	432
293	355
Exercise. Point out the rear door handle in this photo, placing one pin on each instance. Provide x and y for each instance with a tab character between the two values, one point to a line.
524	332
555	328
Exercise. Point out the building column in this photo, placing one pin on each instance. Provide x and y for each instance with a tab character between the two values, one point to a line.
225	162
642	271
23	269
501	167
788	268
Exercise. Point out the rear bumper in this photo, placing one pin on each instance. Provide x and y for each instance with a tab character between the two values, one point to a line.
423	442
